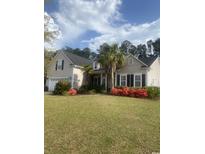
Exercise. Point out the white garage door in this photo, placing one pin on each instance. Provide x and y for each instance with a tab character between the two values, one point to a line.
51	84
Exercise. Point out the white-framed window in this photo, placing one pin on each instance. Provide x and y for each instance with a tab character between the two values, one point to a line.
138	80
123	80
59	64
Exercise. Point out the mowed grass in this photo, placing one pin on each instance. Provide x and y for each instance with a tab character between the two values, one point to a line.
101	124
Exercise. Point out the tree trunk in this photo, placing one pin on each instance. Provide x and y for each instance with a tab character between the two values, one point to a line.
112	79
108	77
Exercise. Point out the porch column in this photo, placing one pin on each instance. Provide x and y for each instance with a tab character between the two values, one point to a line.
100	78
72	81
115	80
106	81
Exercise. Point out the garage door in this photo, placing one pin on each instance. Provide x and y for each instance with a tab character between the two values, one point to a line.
52	84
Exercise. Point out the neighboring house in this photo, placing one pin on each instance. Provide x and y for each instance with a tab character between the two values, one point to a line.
137	72
66	66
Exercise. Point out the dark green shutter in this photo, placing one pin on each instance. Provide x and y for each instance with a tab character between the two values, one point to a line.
143	80
62	64
128	80
56	65
132	80
118	80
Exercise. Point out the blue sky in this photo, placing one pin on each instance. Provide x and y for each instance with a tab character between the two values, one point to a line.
89	23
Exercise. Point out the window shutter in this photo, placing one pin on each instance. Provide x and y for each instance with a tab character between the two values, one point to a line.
118	80
56	65
132	80
62	64
128	80
143	80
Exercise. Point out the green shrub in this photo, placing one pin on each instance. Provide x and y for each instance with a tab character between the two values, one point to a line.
45	88
153	92
61	87
99	89
93	91
83	89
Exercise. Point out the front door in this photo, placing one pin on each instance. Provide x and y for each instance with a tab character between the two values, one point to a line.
96	81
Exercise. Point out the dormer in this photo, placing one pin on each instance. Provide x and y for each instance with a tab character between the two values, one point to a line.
96	65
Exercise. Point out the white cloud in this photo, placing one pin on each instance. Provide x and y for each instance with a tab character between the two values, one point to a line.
76	17
134	33
51	31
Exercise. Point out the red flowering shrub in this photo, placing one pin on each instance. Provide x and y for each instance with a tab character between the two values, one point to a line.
114	91
140	93
132	92
125	91
72	92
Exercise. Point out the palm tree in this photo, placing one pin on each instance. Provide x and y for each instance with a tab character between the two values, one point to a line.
88	72
111	58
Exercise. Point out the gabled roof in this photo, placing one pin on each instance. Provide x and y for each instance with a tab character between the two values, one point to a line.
77	60
148	60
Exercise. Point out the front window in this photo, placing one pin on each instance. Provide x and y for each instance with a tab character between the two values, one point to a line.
123	80
137	80
59	64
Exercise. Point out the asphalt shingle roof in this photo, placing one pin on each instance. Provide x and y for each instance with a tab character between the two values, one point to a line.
77	60
148	60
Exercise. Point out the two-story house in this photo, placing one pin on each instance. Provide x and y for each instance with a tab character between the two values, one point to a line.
66	66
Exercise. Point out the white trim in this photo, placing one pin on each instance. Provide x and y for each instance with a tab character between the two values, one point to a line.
66	56
140	74
77	66
72	81
100	78
49	77
123	74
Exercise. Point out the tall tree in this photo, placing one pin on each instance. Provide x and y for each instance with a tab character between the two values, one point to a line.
51	29
88	71
47	59
156	45
86	52
111	58
141	49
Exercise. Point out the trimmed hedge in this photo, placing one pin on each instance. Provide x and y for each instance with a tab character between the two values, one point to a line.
149	92
91	89
125	91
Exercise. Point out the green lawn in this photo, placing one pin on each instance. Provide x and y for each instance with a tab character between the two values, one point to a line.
101	124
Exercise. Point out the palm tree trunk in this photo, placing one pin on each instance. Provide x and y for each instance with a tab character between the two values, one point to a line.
112	79
108	82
